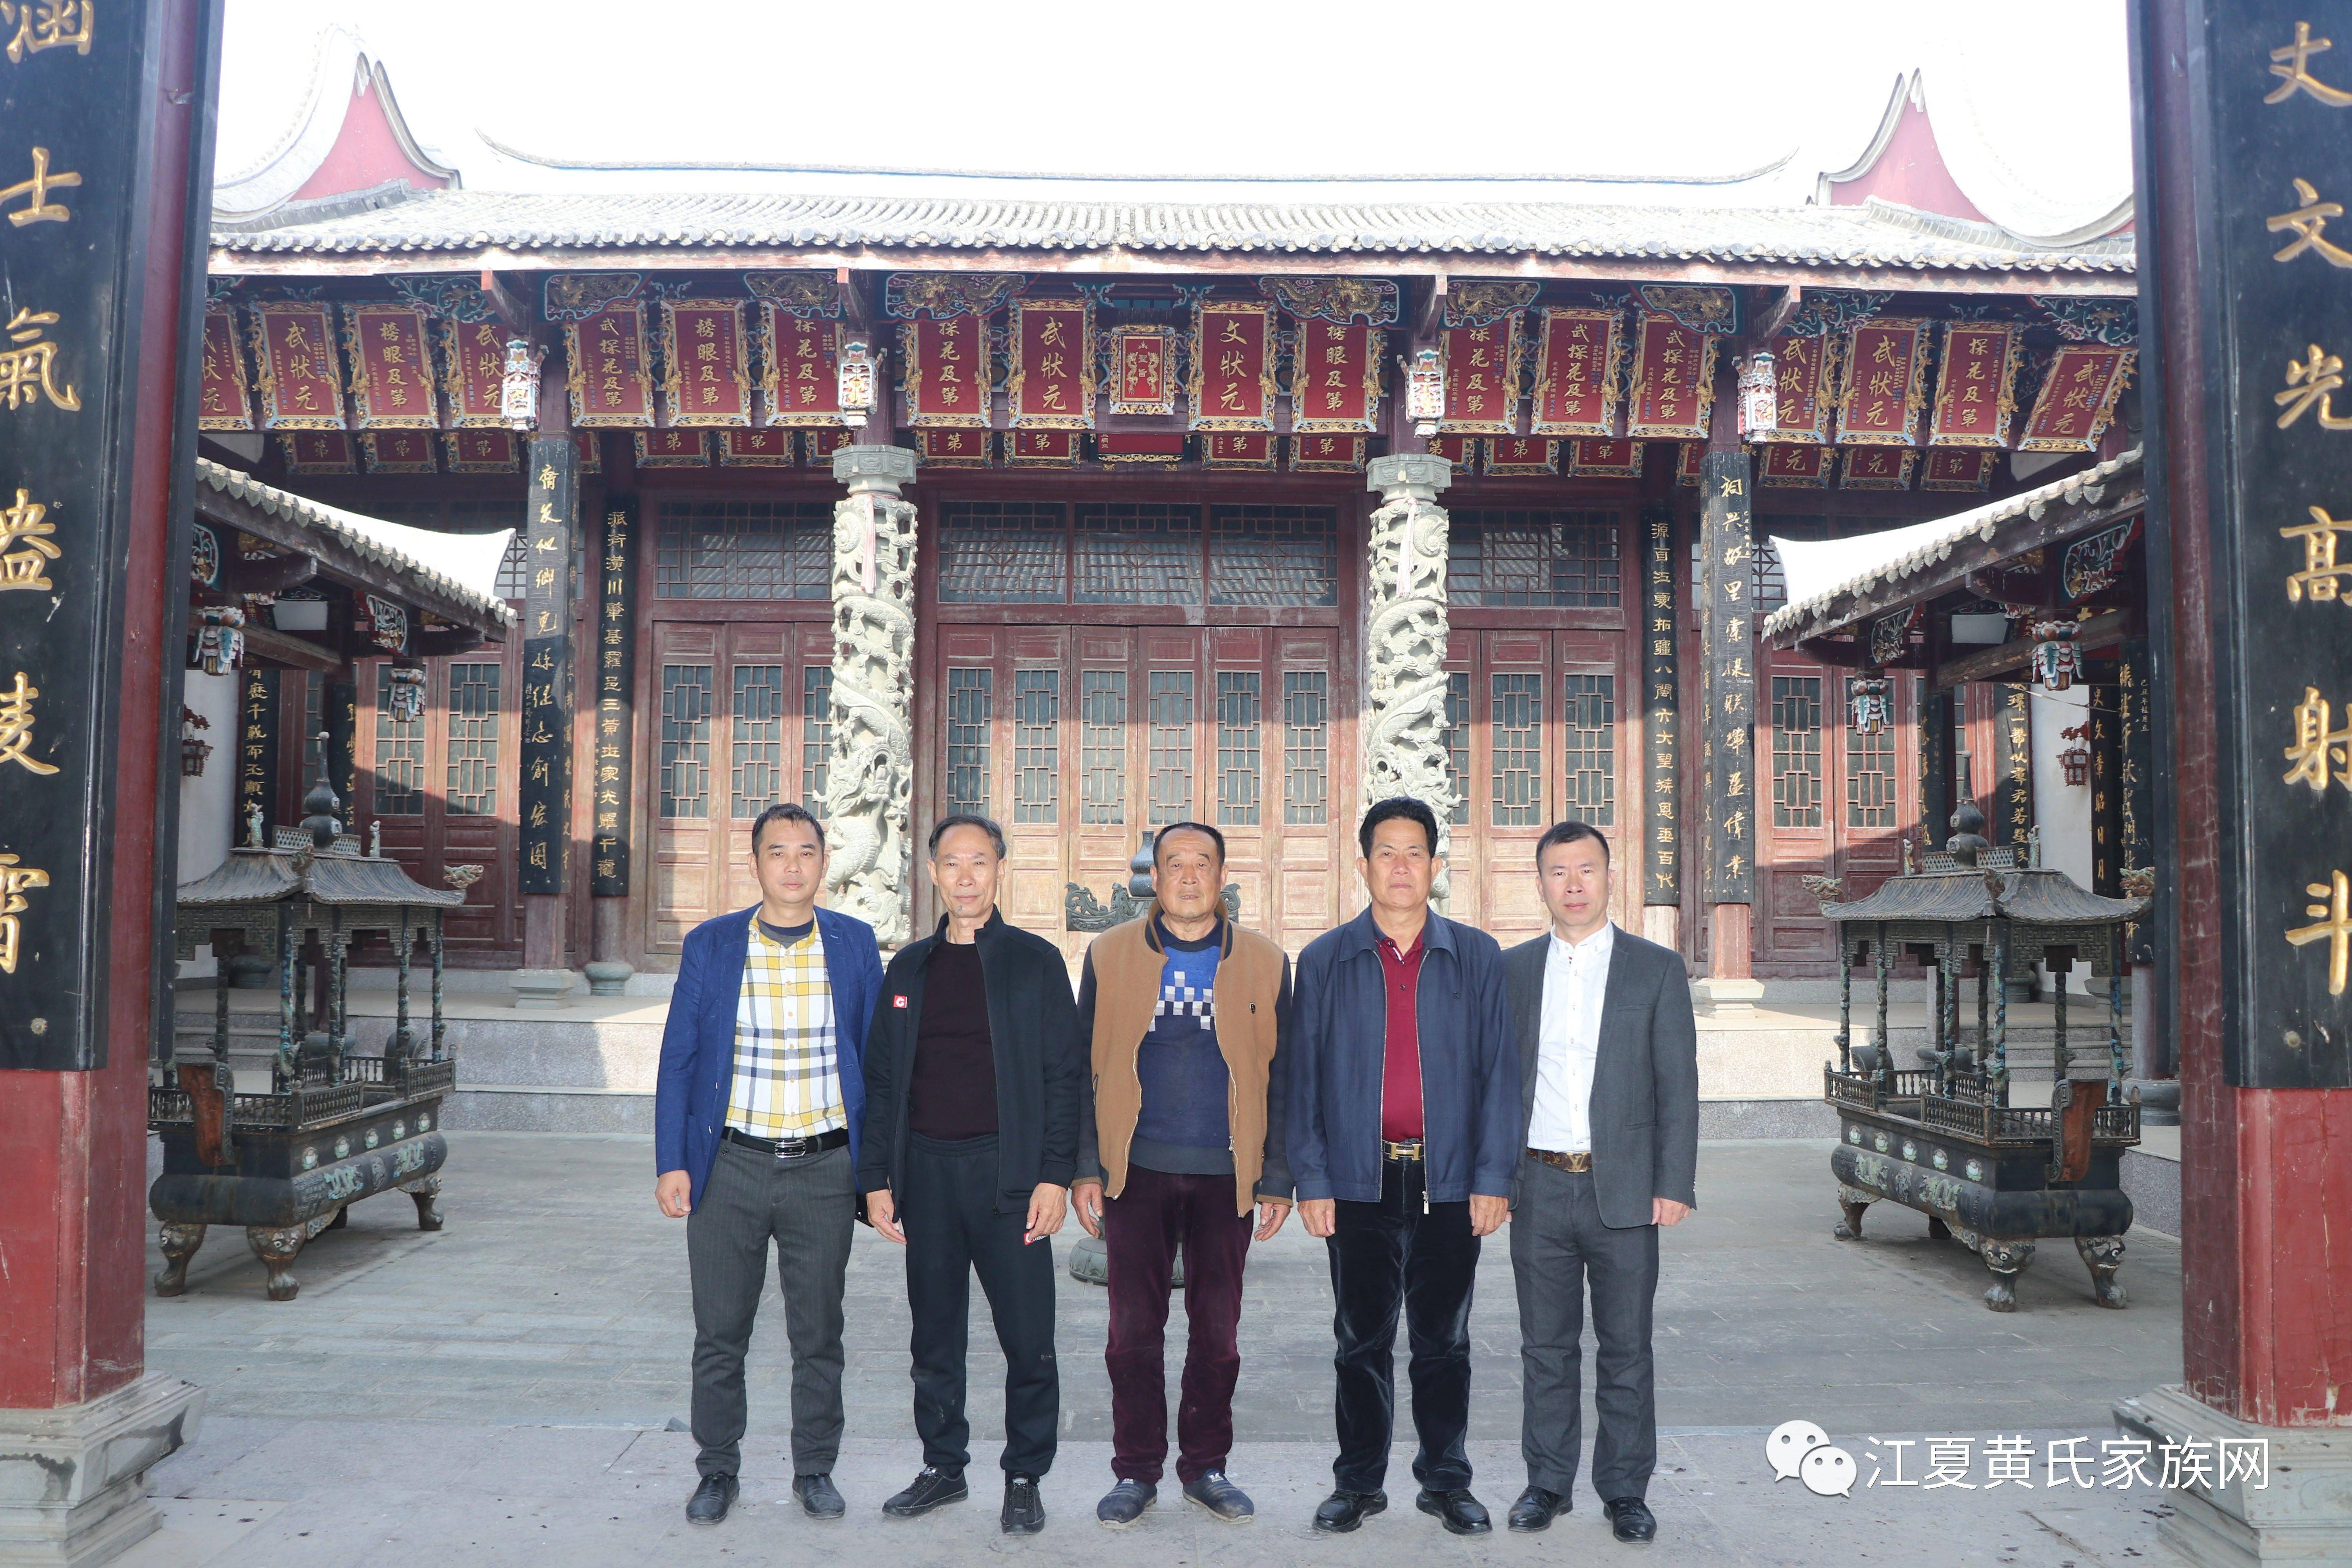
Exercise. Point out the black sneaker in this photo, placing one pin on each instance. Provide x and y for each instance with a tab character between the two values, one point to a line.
931	1488
1213	1491
1024	1510
711	1499
1124	1504
819	1498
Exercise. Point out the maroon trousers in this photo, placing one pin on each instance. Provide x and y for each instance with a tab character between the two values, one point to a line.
1141	1229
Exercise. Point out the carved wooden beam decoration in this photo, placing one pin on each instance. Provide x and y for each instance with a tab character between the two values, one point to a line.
513	311
274	575
1987	664
1432	307
1774	319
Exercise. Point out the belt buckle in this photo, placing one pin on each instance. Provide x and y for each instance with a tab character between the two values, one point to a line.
791	1147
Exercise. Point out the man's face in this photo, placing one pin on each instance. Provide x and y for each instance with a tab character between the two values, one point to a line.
1187	874
1401	869
964	868
1575	881
789	861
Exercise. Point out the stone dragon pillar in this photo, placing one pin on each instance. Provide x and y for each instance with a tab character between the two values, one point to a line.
870	774
1405	637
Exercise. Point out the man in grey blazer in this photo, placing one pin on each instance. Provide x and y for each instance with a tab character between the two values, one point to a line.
1609	1085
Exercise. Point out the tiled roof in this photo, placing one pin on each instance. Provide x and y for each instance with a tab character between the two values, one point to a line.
1821	612
366	536
461	220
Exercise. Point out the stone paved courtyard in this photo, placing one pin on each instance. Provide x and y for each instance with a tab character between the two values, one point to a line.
511	1389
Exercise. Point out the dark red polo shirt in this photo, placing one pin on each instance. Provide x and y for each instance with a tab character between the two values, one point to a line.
1401	1061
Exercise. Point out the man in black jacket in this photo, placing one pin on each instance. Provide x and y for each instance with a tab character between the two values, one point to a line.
974	1068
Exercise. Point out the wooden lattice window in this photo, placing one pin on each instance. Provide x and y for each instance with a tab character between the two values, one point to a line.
1005	553
1171	745
1102	745
1591	729
399	754
1135	553
1240	711
1870	778
1547	559
473	740
1796	750
756	762
1306	747
969	691
816	735
1516	732
1274	556
1457	742
686	740
1037	744
744	550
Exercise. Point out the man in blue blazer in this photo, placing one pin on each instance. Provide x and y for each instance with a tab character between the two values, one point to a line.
756	1114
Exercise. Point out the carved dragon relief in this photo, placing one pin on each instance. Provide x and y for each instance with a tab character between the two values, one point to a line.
1406	753
869	784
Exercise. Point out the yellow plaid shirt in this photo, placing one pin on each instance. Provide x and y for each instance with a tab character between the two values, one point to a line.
787	1074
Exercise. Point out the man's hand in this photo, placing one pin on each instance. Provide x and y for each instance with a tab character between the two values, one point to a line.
1271	1213
1663	1211
1319	1215
1488	1213
1087	1198
1048	1207
883	1214
674	1190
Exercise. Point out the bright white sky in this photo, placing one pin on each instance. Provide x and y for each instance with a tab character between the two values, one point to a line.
1306	87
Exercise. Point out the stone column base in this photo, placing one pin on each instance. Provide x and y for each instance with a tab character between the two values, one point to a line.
73	1482
2302	1516
1724	997
542	988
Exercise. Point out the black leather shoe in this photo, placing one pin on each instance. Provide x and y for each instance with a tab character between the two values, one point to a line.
931	1488
1124	1504
1461	1513
711	1499
1024	1510
818	1498
1536	1510
1213	1491
1632	1520
1344	1510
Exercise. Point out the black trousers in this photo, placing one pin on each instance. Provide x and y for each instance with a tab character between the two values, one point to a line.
1387	1257
1558	1246
953	1231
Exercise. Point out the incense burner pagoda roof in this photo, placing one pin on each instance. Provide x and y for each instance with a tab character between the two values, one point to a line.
251	876
1874	235
2031	895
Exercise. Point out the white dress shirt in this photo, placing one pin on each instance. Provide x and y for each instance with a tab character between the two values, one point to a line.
1575	983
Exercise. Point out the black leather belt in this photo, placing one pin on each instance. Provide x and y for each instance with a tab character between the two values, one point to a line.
793	1148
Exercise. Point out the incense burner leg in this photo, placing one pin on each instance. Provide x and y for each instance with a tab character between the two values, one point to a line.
424	1189
1853	1200
179	1242
276	1249
2007	1259
2103	1254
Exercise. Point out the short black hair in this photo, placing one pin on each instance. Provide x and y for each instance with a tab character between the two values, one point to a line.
1571	832
1388	810
1213	836
967	819
788	811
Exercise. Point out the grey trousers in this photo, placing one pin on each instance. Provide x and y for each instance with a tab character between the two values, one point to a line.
808	1207
1558	1243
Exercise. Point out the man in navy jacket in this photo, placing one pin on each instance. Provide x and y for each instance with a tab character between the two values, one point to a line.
1405	1141
757	1117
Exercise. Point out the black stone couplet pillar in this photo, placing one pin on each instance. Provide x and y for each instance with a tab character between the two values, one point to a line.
257	751
1662	852
2013	801
2105	742
339	706
1727	679
615	688
546	716
1936	802
2136	790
